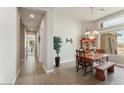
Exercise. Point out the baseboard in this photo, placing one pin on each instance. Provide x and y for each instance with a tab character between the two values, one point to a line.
67	61
120	65
47	71
44	68
16	77
39	60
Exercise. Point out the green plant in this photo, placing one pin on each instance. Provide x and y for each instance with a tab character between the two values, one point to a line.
31	43
57	44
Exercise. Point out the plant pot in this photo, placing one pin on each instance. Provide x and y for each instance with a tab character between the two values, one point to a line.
57	61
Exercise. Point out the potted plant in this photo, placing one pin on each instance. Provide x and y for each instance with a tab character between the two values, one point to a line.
57	47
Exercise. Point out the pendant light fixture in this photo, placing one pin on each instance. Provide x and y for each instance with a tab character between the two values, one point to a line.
92	33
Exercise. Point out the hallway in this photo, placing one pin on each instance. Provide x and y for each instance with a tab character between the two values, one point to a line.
30	68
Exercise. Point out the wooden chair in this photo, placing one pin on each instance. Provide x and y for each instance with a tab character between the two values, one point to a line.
83	62
100	51
78	60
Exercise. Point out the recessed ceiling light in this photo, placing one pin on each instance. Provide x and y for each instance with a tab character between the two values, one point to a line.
32	16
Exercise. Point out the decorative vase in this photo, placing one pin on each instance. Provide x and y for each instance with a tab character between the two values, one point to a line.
57	61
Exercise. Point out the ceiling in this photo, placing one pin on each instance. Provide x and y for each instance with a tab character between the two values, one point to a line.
31	24
84	13
77	13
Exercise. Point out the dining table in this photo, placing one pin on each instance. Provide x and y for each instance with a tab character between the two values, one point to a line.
95	57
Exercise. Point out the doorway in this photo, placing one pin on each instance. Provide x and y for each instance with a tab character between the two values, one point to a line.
30	44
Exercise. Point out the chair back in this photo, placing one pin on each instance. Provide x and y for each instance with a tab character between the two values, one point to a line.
100	50
80	55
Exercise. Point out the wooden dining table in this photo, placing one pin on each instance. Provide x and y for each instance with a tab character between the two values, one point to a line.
96	56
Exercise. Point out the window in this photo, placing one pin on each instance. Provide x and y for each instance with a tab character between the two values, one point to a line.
112	42
112	22
120	42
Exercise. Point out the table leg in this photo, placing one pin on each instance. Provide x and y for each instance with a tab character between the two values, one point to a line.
92	67
107	58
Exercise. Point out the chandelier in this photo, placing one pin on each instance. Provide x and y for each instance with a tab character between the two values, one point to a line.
92	33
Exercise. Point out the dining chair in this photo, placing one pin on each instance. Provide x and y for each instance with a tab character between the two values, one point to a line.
100	50
79	64
83	62
87	64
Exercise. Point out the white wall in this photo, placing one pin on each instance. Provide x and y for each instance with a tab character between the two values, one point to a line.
49	33
65	27
46	40
42	45
43	39
56	25
18	35
117	59
8	45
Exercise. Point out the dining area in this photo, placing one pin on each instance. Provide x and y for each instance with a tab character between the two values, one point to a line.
94	62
